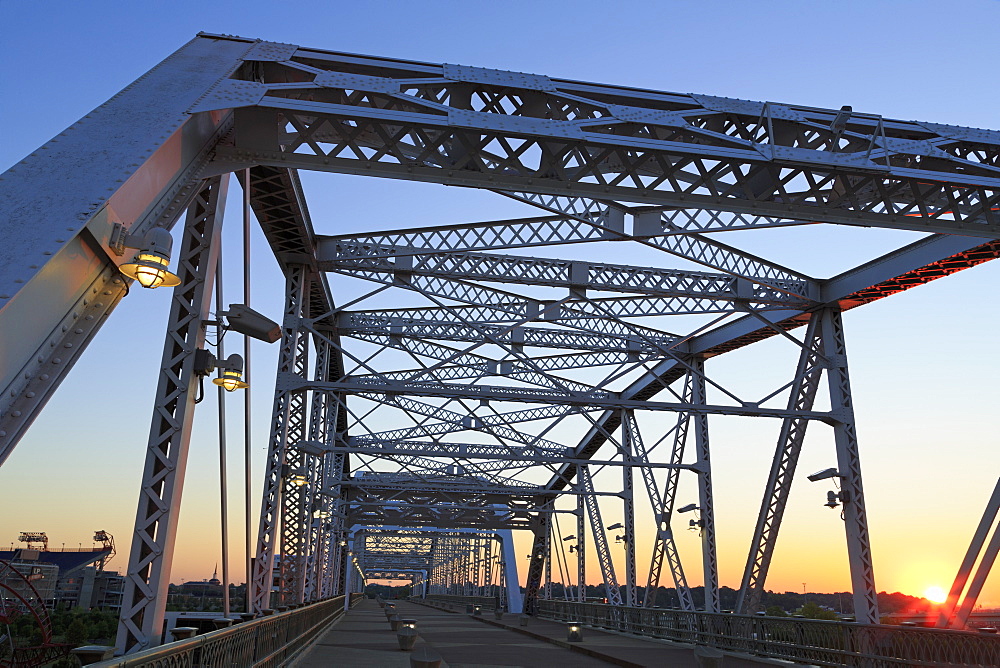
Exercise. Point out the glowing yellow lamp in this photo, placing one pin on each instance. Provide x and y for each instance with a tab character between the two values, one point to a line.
298	480
231	380
150	266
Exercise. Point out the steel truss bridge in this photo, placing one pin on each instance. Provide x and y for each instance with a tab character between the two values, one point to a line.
471	387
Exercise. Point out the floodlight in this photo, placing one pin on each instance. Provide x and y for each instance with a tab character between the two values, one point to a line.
688	508
839	124
823	475
314	448
573	537
243	319
616	525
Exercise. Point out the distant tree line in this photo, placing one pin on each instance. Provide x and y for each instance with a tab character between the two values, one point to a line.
814	605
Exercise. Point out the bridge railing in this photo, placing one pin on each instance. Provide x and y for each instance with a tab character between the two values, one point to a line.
827	643
487	602
259	643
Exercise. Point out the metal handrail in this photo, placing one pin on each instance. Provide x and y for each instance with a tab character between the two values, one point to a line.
819	642
486	602
259	643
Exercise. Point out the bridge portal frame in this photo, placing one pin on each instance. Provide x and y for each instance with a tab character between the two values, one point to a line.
591	156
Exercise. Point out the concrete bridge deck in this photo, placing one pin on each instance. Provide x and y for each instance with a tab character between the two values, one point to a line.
363	638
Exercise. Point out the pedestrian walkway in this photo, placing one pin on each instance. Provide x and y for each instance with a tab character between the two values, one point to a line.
363	638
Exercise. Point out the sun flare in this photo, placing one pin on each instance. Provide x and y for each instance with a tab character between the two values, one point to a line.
935	594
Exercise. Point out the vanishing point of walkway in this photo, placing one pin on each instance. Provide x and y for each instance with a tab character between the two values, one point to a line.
363	638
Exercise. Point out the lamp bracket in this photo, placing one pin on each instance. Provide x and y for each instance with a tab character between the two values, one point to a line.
121	238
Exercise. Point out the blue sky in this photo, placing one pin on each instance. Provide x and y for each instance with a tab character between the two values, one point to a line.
924	363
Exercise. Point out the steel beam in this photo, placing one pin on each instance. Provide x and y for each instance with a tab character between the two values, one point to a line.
148	576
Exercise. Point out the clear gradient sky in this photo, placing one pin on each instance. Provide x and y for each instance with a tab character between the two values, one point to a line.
924	364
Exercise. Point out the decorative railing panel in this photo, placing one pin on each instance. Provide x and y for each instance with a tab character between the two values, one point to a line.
824	643
260	643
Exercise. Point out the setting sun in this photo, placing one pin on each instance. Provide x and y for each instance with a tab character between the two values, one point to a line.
935	594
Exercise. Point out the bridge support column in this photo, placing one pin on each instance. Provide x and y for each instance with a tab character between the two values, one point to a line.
148	576
509	572
706	500
859	550
281	509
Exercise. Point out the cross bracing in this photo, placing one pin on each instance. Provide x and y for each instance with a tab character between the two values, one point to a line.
498	374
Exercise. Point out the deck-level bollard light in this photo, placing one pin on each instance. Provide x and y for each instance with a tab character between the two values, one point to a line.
574	632
407	638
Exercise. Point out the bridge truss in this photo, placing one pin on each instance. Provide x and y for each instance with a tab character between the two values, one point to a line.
442	380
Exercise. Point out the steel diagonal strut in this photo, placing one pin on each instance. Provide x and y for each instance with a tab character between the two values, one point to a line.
147	579
793	431
600	538
662	505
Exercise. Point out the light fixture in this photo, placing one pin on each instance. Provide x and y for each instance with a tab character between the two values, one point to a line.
295	476
616	525
231	369
620	539
839	123
149	267
314	448
823	475
573	537
244	320
831	500
688	508
574	632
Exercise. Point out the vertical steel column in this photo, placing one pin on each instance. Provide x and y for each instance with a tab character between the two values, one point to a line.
779	482
537	561
287	425
600	538
148	576
508	573
581	544
488	570
548	562
223	468
296	498
705	501
313	500
628	502
247	405
859	550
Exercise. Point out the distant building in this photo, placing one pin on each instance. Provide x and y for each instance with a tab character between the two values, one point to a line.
70	579
208	588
